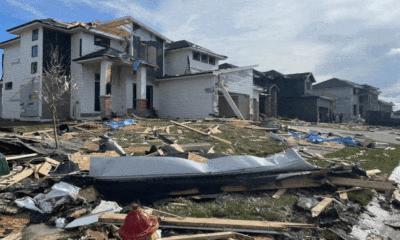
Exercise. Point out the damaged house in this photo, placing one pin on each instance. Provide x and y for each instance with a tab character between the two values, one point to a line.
120	66
292	95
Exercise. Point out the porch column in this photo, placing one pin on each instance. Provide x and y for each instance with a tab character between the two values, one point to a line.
105	77
141	77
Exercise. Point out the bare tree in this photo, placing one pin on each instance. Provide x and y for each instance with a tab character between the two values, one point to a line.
56	82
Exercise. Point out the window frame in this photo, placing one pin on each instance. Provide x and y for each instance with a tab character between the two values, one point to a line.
197	54
8	86
107	40
308	86
204	60
35	36
354	109
37	51
33	66
80	47
354	91
211	62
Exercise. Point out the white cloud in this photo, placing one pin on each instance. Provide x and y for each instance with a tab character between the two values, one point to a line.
394	51
25	6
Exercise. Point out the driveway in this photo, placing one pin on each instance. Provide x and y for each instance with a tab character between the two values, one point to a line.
381	136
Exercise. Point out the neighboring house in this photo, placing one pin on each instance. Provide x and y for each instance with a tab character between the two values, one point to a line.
352	100
121	64
269	102
296	98
344	92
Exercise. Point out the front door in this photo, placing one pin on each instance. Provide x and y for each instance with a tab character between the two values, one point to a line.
97	92
149	97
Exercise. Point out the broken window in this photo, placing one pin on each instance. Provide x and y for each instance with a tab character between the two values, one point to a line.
108	88
354	91
101	41
34	51
35	35
354	109
33	67
196	56
211	61
204	58
8	86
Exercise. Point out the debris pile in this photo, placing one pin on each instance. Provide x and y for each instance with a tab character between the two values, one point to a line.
186	189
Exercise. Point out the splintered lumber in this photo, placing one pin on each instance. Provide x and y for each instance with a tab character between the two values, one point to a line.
349	190
230	101
177	147
198	131
351	182
373	172
315	211
41	131
279	193
260	128
212	222
45	168
211	236
185	192
9	158
298	129
145	132
342	194
197	158
16	178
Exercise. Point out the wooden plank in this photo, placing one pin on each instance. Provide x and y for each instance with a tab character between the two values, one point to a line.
177	147
45	168
230	101
18	177
373	172
198	131
349	190
145	132
210	236
279	193
315	211
14	236
212	222
343	195
197	158
53	162
350	182
9	158
41	131
185	192
298	129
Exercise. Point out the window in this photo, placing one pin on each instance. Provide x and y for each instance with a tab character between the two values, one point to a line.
80	47
101	41
204	58
354	91
35	35
211	61
196	56
8	86
34	51
33	67
108	89
354	109
308	86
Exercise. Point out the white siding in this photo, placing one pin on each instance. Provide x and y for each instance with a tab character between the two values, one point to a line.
177	62
17	69
186	97
344	100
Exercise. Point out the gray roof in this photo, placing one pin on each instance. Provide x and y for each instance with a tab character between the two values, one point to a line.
186	44
300	76
272	74
334	83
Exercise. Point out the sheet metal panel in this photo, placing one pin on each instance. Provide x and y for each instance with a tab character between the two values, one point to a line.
151	167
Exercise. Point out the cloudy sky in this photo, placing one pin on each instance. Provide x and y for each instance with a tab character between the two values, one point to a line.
352	40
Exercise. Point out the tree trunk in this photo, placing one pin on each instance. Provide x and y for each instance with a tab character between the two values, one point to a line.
55	126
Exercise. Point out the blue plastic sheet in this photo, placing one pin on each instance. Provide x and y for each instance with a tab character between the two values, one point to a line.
136	64
295	135
124	123
347	141
314	138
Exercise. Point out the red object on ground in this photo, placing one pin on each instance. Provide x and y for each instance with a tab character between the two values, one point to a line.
138	225
144	105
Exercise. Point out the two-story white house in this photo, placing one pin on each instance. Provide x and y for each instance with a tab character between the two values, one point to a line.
119	66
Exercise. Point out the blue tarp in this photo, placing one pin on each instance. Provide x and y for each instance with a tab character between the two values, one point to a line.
315	138
348	141
124	123
295	135
136	64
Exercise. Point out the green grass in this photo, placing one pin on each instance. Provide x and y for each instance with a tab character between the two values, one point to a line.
263	209
374	158
23	126
361	197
